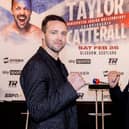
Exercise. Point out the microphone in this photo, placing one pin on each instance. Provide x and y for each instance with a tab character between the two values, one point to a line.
97	84
96	81
105	73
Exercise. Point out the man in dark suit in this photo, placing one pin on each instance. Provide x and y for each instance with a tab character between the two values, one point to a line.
49	90
120	101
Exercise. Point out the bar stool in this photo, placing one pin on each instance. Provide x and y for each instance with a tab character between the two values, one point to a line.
27	118
97	88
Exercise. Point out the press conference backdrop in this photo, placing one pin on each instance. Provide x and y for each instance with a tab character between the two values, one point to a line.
97	42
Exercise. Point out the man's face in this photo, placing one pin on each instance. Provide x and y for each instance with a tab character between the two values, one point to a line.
55	36
21	11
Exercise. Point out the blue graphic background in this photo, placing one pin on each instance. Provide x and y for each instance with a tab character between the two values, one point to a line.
40	6
5	17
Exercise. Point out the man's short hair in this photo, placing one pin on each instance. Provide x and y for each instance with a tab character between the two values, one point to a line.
17	0
51	18
12	3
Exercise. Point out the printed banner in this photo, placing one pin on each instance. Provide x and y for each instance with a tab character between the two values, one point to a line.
97	42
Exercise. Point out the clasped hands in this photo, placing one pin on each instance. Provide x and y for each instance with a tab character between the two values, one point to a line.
77	81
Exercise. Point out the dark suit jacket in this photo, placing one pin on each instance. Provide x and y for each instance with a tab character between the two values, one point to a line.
50	98
120	101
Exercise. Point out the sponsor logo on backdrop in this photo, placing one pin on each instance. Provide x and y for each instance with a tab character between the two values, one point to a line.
112	61
10	95
12	61
72	61
83	61
11	72
80	61
105	73
15	72
83	73
5	72
12	83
